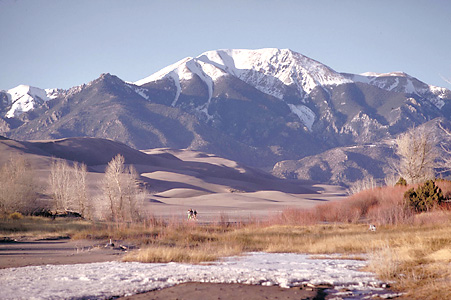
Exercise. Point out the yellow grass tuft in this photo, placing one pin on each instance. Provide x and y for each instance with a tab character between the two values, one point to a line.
442	255
164	254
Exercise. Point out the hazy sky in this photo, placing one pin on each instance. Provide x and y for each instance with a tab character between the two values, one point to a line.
60	44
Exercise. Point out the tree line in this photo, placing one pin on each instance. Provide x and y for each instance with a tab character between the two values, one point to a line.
121	199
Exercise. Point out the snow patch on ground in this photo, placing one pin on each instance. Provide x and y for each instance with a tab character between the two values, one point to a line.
110	279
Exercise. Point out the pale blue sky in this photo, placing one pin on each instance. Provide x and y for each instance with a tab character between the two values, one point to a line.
60	44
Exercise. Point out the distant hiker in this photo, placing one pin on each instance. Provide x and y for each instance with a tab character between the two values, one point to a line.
190	214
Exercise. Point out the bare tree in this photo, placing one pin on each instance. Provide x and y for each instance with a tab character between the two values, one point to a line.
18	187
134	194
68	186
80	190
121	190
445	146
112	186
368	183
417	151
391	179
60	185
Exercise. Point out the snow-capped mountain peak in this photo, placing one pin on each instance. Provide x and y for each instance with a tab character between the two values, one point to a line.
284	64
163	72
374	74
283	74
24	98
269	70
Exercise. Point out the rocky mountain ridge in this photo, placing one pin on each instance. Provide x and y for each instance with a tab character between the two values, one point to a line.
258	107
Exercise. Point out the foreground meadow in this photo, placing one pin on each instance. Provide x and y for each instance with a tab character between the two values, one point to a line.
411	247
415	257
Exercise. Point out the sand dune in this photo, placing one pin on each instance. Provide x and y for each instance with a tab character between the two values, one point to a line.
179	179
232	206
181	193
225	189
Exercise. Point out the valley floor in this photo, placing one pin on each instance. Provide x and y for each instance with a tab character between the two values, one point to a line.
31	252
252	276
235	291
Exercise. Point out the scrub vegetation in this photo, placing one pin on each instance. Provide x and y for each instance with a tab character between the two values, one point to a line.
414	254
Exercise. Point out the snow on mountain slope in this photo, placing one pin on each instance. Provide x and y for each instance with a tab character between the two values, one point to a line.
403	83
272	70
184	70
285	75
24	98
305	114
163	72
284	65
268	70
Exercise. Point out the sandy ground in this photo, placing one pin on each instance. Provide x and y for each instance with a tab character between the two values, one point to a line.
215	291
222	190
233	207
55	252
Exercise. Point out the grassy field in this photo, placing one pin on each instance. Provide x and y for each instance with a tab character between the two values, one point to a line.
412	250
416	257
40	228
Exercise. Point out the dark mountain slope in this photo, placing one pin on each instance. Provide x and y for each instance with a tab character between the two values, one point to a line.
258	107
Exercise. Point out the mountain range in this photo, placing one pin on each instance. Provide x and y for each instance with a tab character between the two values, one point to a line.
270	108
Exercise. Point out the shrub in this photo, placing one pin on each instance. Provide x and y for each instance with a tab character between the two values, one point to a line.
424	197
383	205
401	181
16	216
388	206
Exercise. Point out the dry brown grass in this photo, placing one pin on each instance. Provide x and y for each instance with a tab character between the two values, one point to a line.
39	227
379	206
415	255
202	253
445	186
418	260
